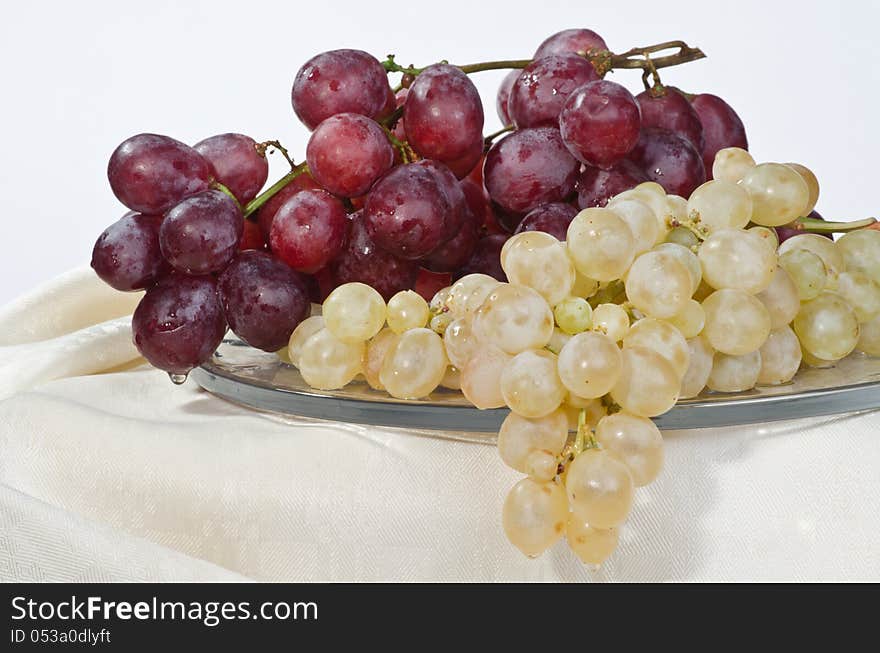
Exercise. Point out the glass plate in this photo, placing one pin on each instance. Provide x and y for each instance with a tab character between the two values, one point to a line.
254	378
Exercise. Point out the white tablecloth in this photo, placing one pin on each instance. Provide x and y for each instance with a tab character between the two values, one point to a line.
124	476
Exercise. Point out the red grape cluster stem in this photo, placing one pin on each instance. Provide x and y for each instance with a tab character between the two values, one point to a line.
275	145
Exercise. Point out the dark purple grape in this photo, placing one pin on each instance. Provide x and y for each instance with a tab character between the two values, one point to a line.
551	218
126	256
308	231
251	237
528	168
407	212
596	186
179	323
150	173
600	123
361	260
721	127
443	114
480	206
669	109
236	164
458	206
455	252
347	153
486	258
266	213
669	160
465	165
263	300
503	97
508	221
339	81
537	96
571	41
200	235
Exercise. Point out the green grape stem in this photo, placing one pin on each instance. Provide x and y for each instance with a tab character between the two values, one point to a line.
251	207
812	225
216	185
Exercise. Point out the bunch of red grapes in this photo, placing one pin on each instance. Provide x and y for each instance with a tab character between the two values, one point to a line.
399	189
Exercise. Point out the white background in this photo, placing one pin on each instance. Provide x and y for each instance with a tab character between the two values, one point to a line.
79	77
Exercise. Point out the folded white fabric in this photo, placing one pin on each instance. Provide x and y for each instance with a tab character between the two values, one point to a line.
125	476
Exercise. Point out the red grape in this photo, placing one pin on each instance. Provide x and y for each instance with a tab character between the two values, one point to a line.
507	221
721	127
465	165
528	168
267	212
339	81
236	164
251	237
671	110
150	173
600	123
263	300
361	260
480	206
458	207
200	234
126	256
443	114
596	186
347	153
179	323
457	251
551	218
309	230
669	160
486	258
537	96
571	41
399	130
428	283
503	97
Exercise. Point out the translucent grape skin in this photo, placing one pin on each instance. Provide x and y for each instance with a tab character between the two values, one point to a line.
347	153
596	186
528	168
263	300
552	218
179	323
669	160
309	230
600	123
721	127
150	173
361	260
200	235
503	96
339	81
443	114
571	41
537	95
236	164
486	258
126	255
668	109
267	212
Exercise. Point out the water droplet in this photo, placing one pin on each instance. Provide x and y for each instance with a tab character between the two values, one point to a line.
177	379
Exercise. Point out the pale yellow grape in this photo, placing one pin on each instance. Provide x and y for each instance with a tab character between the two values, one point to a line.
481	377
377	349
283	355
440	322
767	235
658	284
612	320
407	310
592	546
440	299
734	373
781	299
584	286
869	337
519	437
779	194
687	258
827	327
699	369
642	223
600	244
812	361
303	331
541	465
514	318
557	341
720	205
534	515
636	442
780	357
736	323
734	258
539	261
807	270
468	293
414	365
824	248
648	384
599	488
862	293
690	320
573	315
678	207
661	337
682	236
460	341
328	363
811	182
589	364
732	164
451	378
354	312
649	194
530	384
860	251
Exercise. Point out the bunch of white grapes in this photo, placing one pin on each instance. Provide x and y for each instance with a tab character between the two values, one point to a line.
651	299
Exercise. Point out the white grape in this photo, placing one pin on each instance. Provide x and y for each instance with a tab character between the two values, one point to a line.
451	378
557	341
648	384
807	270
520	436
599	488
662	338
514	318
467	294
376	351
781	299
481	377
734	373
733	258
573	315
589	364
636	442
827	327
732	164
825	248
687	258
354	312
530	384
612	320
460	341
539	261
534	515
779	194
736	323
780	357
414	365
862	293
407	310
600	244
690	320
658	284
303	331
812	185
592	546
860	251
641	221
327	363
697	375
720	205
869	337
